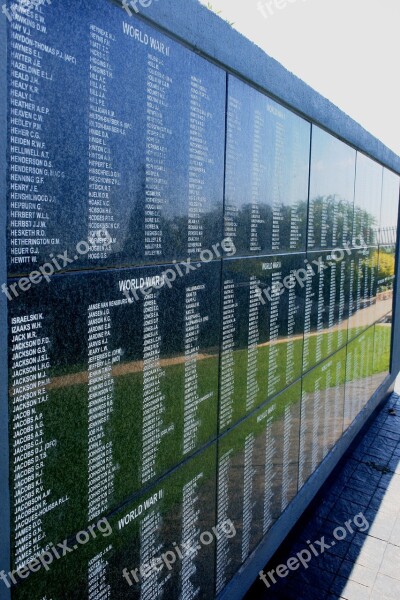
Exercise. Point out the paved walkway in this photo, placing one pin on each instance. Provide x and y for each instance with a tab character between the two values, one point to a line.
364	503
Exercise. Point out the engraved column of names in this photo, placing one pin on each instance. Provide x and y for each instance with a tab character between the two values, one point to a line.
190	537
227	360
286	473
30	369
372	278
257	190
193	323
98	588
324	222
100	408
307	320
346	224
248	500
357	377
328	408
366	289
32	168
332	304
338	401
253	339
295	220
357	272
311	224
316	424
157	140
269	474
199	159
153	397
320	316
223	547
342	332
335	222
304	429
152	586
277	191
351	287
273	367
233	154
291	323
104	125
350	371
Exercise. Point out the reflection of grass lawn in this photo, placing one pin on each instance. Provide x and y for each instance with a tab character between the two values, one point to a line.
331	339
66	417
382	351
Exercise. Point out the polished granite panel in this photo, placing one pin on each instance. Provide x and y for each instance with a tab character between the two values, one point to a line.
363	288
257	477
140	120
331	206
262	331
382	348
121	378
267	174
321	413
386	280
390	208
113	380
368	201
160	545
327	305
362	376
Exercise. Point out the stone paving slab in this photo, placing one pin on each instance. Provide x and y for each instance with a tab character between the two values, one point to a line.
362	506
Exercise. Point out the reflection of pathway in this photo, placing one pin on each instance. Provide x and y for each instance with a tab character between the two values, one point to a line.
128	368
81	378
352	398
329	426
259	483
365	564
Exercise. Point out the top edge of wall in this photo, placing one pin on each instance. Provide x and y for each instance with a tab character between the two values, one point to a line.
213	37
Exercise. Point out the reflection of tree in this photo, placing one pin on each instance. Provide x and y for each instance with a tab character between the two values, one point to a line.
387	262
262	215
171	224
366	226
134	240
332	220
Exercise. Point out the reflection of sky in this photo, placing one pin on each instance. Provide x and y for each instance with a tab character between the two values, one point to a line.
282	170
361	83
390	199
369	185
333	167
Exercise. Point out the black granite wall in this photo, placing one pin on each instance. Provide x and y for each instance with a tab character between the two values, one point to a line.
197	304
